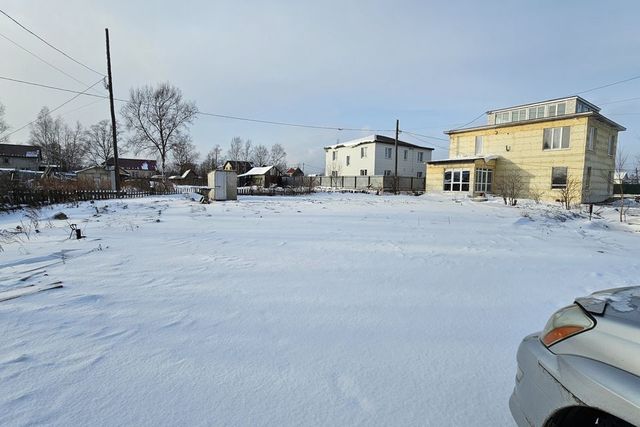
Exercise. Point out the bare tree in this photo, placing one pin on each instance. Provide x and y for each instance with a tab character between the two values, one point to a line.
212	160
98	142
570	192
278	157
73	148
510	187
46	133
185	156
618	178
235	149
260	155
246	152
158	118
4	127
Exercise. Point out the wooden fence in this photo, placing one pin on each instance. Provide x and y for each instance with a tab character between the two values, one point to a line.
16	198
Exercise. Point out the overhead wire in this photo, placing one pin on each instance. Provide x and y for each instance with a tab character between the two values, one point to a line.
42	59
608	85
204	113
49	44
6	135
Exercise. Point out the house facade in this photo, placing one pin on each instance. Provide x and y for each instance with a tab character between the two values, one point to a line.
547	146
136	168
238	166
263	176
20	157
375	155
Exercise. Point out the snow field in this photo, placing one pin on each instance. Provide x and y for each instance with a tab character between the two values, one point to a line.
328	310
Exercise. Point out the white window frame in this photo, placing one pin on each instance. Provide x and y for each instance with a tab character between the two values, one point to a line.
387	172
420	156
459	183
334	155
566	177
587	181
483	180
388	152
558	135
591	138
363	172
612	145
348	160
363	152
406	155
479	144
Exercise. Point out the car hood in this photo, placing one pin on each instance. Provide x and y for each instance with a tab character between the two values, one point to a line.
619	303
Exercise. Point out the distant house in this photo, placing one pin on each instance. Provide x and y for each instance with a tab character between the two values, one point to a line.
294	172
264	176
21	157
376	155
100	177
136	168
237	166
189	177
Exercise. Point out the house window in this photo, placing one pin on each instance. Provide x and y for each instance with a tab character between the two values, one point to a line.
420	156
334	173
591	138
456	180
502	117
348	160
419	175
609	182
363	152
478	145
406	154
334	155
561	108
587	183
552	110
387	152
559	177
387	172
556	138
363	172
484	179
532	113
612	145
6	159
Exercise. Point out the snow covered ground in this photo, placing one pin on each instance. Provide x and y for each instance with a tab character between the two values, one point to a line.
330	309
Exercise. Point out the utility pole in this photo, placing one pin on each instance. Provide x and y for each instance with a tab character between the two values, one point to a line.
395	175
113	116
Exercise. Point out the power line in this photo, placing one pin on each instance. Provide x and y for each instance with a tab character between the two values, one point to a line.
51	111
426	136
425	141
204	113
619	101
609	84
42	59
55	87
49	44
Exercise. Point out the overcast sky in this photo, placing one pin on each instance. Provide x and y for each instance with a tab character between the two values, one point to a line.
358	64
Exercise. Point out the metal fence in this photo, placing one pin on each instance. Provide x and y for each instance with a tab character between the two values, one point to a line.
371	182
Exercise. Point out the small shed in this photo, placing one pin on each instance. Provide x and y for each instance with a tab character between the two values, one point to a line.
264	176
223	184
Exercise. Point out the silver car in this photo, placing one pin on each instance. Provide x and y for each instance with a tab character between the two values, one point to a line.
584	367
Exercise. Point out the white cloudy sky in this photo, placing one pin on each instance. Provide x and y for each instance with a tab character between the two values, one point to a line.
432	64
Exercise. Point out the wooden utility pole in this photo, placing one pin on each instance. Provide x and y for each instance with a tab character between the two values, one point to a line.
113	116
395	175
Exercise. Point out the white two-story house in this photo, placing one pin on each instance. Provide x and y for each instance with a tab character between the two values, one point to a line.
375	155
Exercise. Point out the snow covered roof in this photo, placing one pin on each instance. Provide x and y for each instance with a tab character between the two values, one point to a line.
18	150
486	158
257	171
374	138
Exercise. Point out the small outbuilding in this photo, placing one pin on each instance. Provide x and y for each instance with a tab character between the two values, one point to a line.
223	185
264	176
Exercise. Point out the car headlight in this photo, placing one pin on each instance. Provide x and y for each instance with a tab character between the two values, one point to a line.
565	323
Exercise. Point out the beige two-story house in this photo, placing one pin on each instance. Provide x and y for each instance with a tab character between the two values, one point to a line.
546	145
